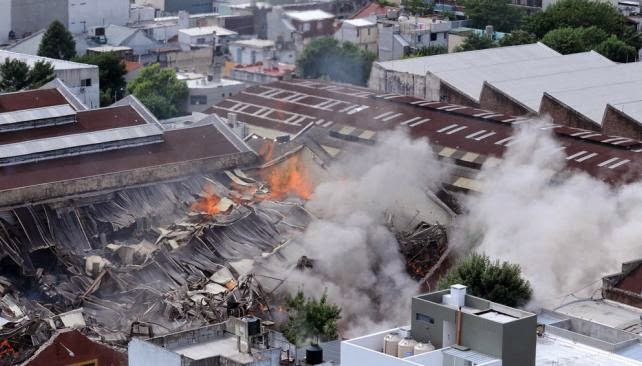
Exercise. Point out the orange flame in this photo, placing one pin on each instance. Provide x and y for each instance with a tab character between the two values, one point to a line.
289	179
208	203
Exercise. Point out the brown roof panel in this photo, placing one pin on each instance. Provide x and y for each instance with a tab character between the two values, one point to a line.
11	102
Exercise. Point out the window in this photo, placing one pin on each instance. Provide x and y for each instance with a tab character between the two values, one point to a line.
368	30
419	38
306	27
357	32
85	82
200	40
433	36
198	99
319	25
424	318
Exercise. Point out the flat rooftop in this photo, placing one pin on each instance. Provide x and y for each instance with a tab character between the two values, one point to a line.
206	31
291	107
225	346
309	15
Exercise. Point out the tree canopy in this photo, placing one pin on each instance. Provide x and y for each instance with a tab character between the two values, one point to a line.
160	90
576	14
57	43
16	75
476	42
111	74
428	51
328	58
311	319
498	13
517	37
491	280
417	7
617	50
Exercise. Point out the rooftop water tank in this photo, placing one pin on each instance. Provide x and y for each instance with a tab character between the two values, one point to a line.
406	347
423	348
391	343
314	355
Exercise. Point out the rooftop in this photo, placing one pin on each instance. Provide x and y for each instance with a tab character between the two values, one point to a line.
196	81
280	70
109	49
360	22
309	15
373	9
57	64
469	60
255	43
459	132
205	31
471	81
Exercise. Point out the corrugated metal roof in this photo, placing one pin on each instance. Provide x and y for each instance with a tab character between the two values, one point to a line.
529	91
471	82
470	59
33	114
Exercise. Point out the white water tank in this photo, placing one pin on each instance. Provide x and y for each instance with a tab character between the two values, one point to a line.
391	343
406	347
423	348
458	295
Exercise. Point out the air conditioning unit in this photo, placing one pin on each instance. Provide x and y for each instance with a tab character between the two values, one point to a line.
97	31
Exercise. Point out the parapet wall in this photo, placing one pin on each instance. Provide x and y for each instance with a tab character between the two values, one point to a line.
94	184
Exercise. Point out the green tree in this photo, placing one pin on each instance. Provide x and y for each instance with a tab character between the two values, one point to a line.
573	40
476	42
576	14
326	57
491	280
310	319
617	50
417	7
57	43
111	74
16	75
498	13
428	51
517	37
160	90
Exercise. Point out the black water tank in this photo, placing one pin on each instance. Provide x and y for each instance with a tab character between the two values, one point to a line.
314	355
253	325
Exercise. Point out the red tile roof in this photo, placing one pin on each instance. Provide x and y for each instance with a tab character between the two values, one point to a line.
132	66
372	9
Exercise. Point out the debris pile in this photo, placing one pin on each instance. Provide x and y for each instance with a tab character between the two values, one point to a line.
422	247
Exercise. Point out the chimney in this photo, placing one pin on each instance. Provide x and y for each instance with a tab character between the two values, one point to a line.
231	120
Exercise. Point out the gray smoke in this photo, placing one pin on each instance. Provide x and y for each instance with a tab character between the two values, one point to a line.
566	233
357	256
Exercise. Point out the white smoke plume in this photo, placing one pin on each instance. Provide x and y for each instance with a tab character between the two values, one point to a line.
566	233
357	257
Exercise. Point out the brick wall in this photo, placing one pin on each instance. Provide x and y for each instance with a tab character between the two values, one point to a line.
619	124
494	100
564	115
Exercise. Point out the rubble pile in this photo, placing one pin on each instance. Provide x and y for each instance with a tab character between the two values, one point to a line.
142	260
422	247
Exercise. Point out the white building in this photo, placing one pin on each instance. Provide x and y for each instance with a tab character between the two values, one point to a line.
362	32
398	38
86	14
201	36
251	51
206	90
81	79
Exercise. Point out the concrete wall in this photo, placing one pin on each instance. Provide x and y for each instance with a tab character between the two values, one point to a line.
522	340
564	115
213	95
5	20
199	59
494	100
452	95
365	37
245	55
29	16
85	14
59	190
142	353
619	124
73	78
140	43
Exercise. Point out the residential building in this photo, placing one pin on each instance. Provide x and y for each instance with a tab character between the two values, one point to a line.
205	90
452	328
53	147
236	342
251	51
86	14
165	29
262	73
373	10
298	27
362	32
467	136
202	36
70	347
141	13
174	6
402	36
625	287
457	36
81	79
195	59
20	18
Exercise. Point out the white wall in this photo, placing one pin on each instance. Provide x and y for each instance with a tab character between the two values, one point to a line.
243	54
5	20
96	13
141	353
